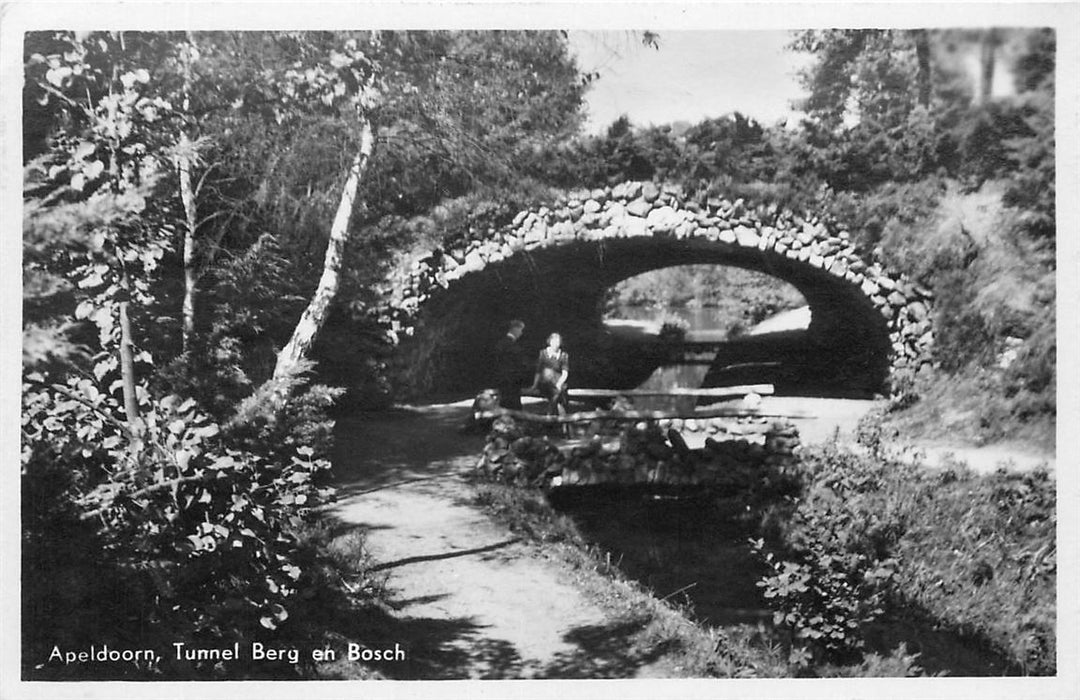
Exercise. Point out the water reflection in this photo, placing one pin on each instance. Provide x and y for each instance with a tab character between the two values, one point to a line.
693	551
687	372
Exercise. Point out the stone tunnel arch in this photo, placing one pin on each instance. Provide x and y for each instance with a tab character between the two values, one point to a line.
551	268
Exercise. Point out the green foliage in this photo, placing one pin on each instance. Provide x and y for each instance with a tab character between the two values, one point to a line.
476	108
835	568
199	530
994	289
673	329
897	664
249	306
992	572
187	519
879	217
869	535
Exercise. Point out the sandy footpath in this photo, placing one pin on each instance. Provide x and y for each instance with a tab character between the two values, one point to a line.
500	610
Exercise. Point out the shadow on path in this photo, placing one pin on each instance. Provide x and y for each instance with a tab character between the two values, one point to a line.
605	651
461	648
435	649
467	598
445	555
377	450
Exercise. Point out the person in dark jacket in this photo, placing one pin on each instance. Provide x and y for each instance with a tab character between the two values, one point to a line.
509	366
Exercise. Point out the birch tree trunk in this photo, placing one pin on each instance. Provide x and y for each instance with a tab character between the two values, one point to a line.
185	161
187	196
127	372
311	321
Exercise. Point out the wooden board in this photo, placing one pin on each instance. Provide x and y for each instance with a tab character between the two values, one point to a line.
761	389
634	416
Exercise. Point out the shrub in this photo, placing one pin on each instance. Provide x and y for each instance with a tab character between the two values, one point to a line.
868	534
896	664
199	530
834	565
674	329
991	572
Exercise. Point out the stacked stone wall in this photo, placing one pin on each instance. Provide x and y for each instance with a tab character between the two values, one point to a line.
650	454
649	210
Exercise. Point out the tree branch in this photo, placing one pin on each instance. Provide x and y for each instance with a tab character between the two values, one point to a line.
146	491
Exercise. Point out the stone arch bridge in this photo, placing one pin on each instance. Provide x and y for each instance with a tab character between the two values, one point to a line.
553	265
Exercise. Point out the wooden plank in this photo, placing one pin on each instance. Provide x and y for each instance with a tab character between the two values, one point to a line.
744	365
763	389
634	416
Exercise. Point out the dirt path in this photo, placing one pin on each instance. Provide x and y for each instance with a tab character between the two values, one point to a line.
478	603
841	416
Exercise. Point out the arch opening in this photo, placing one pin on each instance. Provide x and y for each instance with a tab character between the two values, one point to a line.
709	301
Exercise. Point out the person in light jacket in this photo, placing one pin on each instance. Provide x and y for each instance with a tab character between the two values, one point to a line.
552	371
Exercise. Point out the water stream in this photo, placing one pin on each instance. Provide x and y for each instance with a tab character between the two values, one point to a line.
704	324
693	552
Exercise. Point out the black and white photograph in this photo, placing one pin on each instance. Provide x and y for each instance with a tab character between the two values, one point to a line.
559	350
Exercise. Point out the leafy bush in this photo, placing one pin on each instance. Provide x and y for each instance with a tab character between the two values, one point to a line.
199	529
834	566
674	329
897	664
869	535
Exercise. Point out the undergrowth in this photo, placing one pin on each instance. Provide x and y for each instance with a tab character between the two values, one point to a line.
872	537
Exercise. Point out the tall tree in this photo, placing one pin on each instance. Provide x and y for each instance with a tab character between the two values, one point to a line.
466	104
859	75
186	161
314	316
109	148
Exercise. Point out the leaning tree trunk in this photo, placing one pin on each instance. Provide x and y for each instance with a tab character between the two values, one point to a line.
187	196
127	360
922	52
185	162
311	321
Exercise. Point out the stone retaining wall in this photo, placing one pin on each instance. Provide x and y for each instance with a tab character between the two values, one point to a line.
646	454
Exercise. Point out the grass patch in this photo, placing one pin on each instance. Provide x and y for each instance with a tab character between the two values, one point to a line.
948	550
976	407
980	557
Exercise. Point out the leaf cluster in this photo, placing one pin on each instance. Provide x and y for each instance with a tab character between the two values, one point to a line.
834	564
